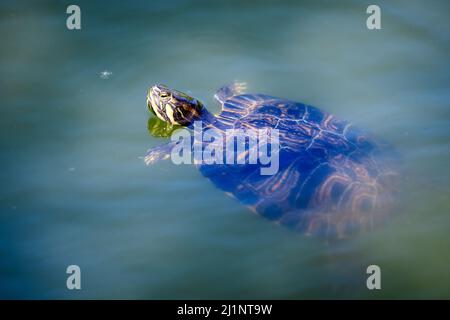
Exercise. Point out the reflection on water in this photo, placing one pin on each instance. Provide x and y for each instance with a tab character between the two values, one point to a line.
74	189
160	129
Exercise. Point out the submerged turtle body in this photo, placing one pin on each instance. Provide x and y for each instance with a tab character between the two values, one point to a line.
333	178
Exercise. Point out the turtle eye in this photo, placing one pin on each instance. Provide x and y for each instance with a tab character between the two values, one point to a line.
163	95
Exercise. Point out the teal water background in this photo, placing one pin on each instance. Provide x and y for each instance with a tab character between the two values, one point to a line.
74	189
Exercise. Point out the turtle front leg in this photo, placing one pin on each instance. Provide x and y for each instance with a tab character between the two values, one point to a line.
161	152
225	93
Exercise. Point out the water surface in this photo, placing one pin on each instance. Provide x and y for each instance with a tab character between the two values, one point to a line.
74	189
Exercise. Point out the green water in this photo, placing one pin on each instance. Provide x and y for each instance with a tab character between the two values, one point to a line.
74	189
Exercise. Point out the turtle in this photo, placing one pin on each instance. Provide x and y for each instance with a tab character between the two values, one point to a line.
334	179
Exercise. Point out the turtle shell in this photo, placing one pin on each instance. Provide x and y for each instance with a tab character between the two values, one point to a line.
333	179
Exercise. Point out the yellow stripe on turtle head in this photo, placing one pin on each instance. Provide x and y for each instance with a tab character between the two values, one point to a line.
169	113
155	108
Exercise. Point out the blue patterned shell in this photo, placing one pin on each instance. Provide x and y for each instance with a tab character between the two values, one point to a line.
333	179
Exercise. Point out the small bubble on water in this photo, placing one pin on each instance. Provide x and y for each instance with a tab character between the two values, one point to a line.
105	74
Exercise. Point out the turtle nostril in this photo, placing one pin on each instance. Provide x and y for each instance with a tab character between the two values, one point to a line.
154	89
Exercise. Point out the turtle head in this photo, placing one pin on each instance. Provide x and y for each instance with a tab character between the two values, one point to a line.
173	106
